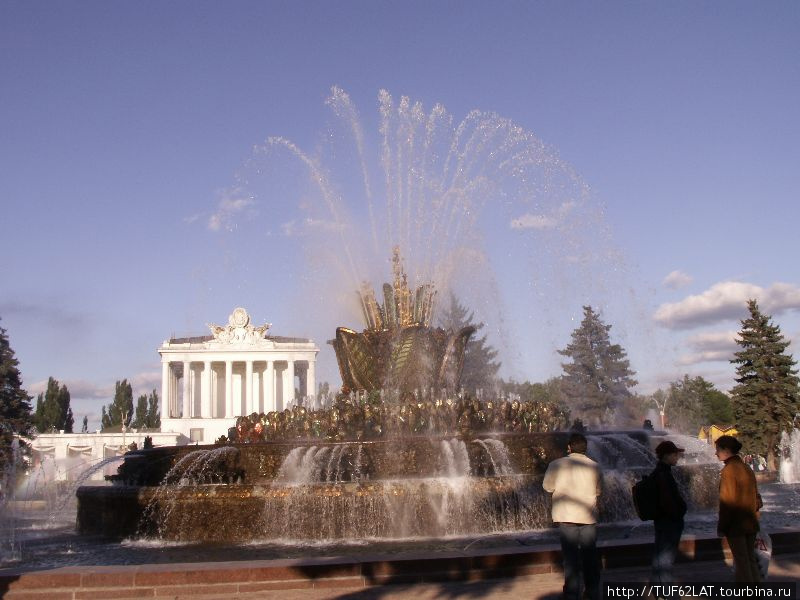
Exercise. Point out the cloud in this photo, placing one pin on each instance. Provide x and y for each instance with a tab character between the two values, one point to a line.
53	314
78	388
232	202
141	383
532	221
146	382
676	280
725	301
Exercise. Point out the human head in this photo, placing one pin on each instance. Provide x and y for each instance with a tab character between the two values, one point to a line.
727	446
577	443
668	452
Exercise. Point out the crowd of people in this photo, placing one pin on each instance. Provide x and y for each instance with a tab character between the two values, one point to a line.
575	482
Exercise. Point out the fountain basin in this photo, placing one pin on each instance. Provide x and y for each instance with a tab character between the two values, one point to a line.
388	489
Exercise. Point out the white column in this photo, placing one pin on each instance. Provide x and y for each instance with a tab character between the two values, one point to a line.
205	394
229	389
166	409
173	394
258	387
248	387
269	387
187	394
311	380
288	384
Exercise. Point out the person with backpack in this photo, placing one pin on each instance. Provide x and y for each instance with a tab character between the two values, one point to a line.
669	508
575	481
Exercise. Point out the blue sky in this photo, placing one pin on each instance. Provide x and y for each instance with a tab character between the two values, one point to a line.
127	126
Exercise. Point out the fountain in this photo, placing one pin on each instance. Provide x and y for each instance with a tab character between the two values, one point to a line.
399	349
402	452
412	460
789	470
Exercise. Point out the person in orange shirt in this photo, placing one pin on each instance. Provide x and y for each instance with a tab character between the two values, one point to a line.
739	502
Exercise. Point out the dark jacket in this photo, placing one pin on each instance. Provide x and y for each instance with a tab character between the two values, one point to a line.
670	502
738	499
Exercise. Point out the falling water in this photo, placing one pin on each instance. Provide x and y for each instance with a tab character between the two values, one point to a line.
789	470
9	545
498	455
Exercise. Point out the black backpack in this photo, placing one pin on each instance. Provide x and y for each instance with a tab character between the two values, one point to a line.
645	497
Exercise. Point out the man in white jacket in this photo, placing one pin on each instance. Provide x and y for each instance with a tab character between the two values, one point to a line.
575	483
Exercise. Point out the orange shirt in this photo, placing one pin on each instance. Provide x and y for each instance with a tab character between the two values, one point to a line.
738	499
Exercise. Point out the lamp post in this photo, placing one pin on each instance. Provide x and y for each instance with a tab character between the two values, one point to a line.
124	429
661	404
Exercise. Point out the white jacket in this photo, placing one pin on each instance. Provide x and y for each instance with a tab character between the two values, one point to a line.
574	482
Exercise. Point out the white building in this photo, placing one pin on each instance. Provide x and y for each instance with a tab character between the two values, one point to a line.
88	456
208	381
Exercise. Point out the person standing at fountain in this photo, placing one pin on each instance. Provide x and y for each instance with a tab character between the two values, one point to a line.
670	509
574	481
739	502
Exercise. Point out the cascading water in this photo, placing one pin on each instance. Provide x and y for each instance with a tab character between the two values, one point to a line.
9	544
379	489
34	504
789	470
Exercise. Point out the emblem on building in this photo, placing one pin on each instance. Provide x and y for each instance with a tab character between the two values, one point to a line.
239	330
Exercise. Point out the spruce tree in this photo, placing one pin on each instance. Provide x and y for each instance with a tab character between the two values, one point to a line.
480	367
766	397
15	407
599	375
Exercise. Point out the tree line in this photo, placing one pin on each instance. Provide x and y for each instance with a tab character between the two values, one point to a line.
596	381
595	386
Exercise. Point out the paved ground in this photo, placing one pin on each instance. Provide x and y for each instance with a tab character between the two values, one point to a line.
545	587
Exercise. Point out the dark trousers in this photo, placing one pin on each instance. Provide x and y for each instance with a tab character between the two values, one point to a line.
745	563
668	536
579	549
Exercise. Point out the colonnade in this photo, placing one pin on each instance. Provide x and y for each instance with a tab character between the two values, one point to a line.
227	388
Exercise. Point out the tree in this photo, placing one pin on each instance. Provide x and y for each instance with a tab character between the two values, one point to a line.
692	402
120	411
766	396
153	420
147	415
15	406
53	409
85	427
599	376
480	367
140	414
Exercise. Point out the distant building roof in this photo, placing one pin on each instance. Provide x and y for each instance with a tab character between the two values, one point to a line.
199	339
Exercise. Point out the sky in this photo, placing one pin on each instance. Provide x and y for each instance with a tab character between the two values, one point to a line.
128	130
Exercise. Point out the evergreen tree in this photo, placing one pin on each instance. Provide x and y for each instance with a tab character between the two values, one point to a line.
53	409
480	367
15	407
767	393
599	376
120	411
